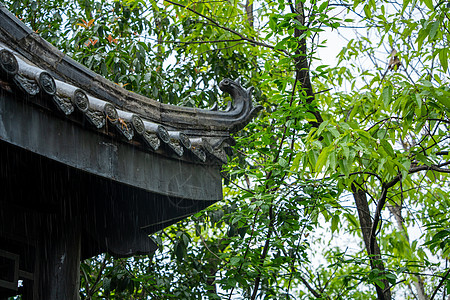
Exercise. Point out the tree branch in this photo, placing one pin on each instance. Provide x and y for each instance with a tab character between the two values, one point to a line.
387	186
440	284
215	23
310	288
264	253
302	66
384	190
204	42
366	224
376	219
99	275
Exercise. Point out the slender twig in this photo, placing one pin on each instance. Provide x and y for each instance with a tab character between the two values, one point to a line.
309	287
392	285
222	48
384	190
206	246
215	23
168	236
247	249
376	218
440	120
440	284
203	42
297	247
235	184
99	275
265	251
355	173
322	91
271	214
442	153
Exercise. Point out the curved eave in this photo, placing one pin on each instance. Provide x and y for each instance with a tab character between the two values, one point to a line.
192	134
196	121
20	76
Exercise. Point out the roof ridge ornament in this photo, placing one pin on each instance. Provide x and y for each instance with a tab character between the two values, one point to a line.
198	122
34	66
242	105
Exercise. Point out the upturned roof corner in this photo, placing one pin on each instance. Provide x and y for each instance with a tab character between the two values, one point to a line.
33	66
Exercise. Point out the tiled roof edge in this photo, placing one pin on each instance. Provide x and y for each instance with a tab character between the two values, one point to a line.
43	54
38	84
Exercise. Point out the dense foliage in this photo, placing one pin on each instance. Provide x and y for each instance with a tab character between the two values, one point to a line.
337	190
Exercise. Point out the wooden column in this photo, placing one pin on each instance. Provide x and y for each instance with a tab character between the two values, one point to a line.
58	261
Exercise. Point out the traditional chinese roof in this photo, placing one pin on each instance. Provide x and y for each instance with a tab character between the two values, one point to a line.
88	167
34	67
77	150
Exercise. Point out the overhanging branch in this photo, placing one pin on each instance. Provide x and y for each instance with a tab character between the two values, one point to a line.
387	186
215	23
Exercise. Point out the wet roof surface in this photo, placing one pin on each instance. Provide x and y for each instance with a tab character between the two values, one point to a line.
48	78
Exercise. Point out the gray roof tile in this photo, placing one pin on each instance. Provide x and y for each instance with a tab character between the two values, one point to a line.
34	67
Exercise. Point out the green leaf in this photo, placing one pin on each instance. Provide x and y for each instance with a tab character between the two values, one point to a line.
391	277
322	127
405	5
429	4
273	23
420	38
443	58
283	162
352	220
345	166
444	101
296	162
387	95
235	261
334	222
433	30
368	11
379	283
418	100
423	159
322	159
387	147
323	6
345	150
441	234
332	160
180	250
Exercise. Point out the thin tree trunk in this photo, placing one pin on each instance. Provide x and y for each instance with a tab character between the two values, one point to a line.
396	211
365	220
301	60
249	11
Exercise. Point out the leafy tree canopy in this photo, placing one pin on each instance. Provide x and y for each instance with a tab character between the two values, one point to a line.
337	190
